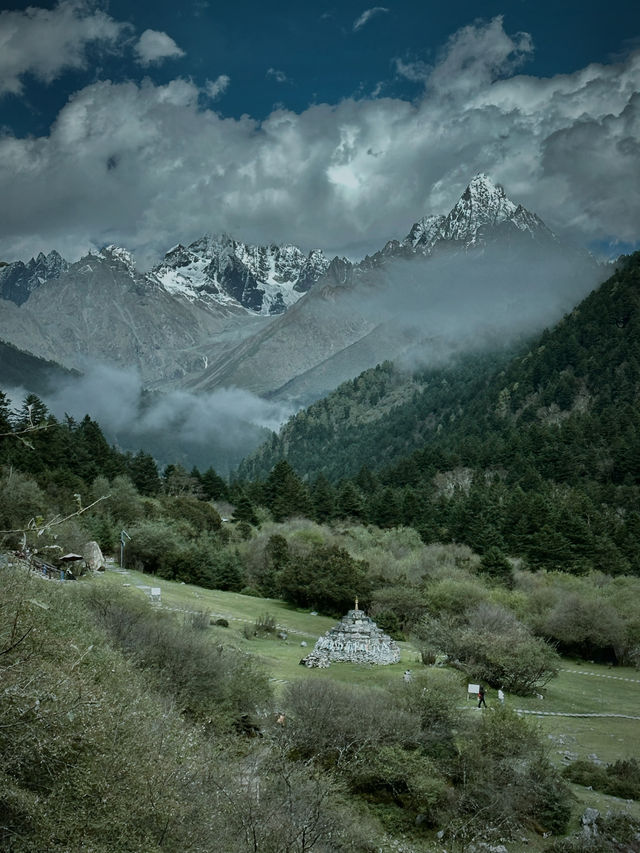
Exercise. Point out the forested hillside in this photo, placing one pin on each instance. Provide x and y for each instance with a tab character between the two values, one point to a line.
20	369
538	457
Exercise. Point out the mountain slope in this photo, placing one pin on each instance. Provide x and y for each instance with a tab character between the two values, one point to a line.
538	456
589	362
20	369
101	308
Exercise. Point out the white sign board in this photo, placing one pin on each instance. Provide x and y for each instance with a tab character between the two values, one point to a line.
156	592
473	688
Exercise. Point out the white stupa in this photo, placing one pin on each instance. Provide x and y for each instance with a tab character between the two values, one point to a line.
355	639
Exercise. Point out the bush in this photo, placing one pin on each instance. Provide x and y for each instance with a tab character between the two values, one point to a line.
434	703
214	685
199	620
504	779
617	832
328	580
492	646
341	726
265	625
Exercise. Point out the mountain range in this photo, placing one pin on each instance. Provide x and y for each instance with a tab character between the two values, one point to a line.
292	325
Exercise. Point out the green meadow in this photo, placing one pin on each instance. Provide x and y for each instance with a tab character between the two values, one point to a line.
579	688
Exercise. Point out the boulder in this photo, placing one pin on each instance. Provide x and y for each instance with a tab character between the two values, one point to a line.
93	557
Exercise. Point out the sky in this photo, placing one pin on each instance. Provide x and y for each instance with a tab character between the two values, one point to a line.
332	126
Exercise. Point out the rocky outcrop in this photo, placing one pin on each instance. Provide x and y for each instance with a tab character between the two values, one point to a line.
18	280
356	639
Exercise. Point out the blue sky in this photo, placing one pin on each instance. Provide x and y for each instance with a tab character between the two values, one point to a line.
325	125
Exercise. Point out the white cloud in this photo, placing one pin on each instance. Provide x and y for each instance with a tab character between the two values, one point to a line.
344	177
154	46
417	72
477	55
278	76
46	42
217	87
366	16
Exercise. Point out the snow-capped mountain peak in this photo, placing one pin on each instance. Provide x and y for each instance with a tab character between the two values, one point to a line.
117	253
482	210
263	279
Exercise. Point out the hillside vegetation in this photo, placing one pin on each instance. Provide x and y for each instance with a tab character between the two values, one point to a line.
536	458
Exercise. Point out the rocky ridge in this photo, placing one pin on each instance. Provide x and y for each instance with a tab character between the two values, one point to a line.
262	279
269	319
18	280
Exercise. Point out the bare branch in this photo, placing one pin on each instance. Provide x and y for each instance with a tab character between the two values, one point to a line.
56	521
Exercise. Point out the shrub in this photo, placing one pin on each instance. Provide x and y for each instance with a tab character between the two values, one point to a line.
199	620
616	832
328	580
503	779
265	625
214	685
340	726
492	646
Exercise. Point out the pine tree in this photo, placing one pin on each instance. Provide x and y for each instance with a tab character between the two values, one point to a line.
323	496
213	486
285	493
245	511
144	474
350	503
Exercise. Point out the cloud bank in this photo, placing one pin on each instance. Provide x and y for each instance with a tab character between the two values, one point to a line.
218	428
345	177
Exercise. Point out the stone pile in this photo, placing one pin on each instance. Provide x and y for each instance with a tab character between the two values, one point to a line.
355	639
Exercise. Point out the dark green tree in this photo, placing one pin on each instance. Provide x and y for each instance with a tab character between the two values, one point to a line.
285	494
323	497
245	511
214	487
144	474
495	565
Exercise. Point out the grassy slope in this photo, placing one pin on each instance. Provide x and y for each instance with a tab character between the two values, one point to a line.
571	692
